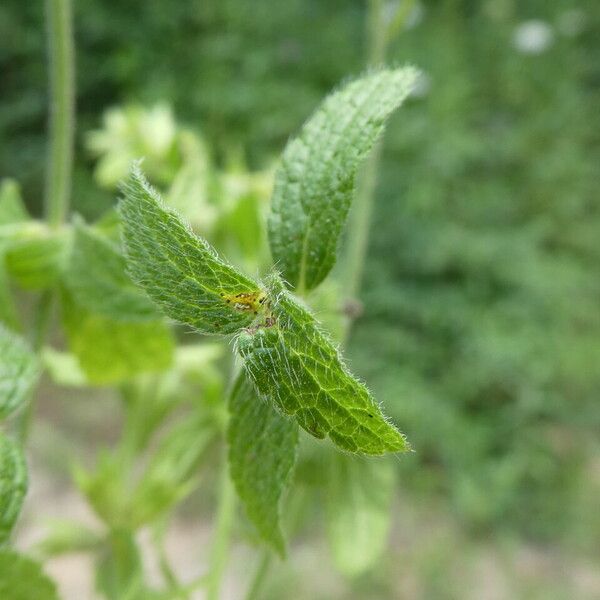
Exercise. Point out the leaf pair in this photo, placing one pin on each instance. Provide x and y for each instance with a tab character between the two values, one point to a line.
290	362
288	359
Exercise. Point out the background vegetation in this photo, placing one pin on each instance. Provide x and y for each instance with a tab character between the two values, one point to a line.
482	292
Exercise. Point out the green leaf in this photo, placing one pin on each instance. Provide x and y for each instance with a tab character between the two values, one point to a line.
12	208
36	257
96	277
13	486
112	351
63	368
359	496
180	271
171	473
18	371
23	579
315	183
65	536
262	453
291	362
8	313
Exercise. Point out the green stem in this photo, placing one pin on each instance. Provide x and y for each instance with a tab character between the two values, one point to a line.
360	217
379	35
61	59
221	542
259	575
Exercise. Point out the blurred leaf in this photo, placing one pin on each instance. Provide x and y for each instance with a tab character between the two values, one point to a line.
315	182
171	471
358	496
293	364
13	486
132	132
189	192
104	488
23	579
119	574
66	536
179	270
96	277
262	453
63	368
36	257
112	351
18	371
8	313
12	208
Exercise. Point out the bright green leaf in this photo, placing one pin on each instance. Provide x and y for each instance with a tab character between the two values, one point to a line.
63	368
291	362
36	257
8	313
314	184
23	579
12	208
13	486
96	277
64	536
179	270
359	496
18	371
262	453
111	351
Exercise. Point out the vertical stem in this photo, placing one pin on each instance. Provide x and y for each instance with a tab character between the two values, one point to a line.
360	217
379	34
225	518
259	576
61	62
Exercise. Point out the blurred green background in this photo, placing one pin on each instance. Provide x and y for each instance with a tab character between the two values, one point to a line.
481	325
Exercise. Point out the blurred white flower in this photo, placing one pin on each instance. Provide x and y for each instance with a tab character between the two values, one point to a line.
533	37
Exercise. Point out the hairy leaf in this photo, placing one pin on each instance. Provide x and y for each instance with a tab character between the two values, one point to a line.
179	270
13	485
262	453
21	578
18	371
359	496
291	362
111	351
96	277
315	181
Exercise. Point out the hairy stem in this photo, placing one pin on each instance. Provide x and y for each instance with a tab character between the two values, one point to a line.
61	63
221	542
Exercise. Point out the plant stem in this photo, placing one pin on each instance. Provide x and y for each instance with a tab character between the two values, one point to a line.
61	62
379	34
360	217
259	575
225	518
